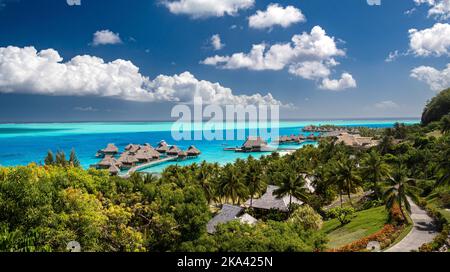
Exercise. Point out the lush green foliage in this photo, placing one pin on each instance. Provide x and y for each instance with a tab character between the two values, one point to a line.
437	107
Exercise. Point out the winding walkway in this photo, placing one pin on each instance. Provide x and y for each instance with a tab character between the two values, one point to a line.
422	232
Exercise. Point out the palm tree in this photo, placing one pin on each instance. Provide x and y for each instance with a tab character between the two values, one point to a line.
375	169
292	184
254	178
385	144
397	193
49	159
150	178
346	177
231	184
73	159
206	176
445	124
443	168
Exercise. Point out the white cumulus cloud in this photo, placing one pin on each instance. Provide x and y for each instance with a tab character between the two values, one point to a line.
310	70
436	79
346	81
207	8
430	41
308	55
103	37
439	9
26	70
276	15
216	42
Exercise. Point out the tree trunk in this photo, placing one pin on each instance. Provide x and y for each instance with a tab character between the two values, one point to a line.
403	214
349	197
340	195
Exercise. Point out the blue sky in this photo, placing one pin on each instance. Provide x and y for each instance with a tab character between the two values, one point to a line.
169	45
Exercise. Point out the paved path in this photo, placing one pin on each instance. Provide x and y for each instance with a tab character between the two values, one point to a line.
423	231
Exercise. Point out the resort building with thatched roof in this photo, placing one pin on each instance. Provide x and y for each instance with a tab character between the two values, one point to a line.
229	213
107	162
128	160
182	154
114	170
110	150
254	144
132	148
269	201
173	151
193	151
356	140
162	147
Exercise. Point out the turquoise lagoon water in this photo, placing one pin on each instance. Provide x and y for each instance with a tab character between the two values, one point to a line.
21	144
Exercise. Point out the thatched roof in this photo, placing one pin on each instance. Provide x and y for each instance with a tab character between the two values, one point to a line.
269	201
182	154
142	155
111	148
254	142
113	169
127	158
173	150
162	147
356	140
248	219
193	151
107	161
226	214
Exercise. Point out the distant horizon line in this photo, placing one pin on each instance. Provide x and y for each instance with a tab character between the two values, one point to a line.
172	120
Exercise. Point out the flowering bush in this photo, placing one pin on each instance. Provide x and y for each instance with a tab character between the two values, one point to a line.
385	236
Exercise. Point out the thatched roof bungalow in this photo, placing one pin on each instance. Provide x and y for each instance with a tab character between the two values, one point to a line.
114	170
254	144
173	151
110	149
355	140
162	147
182	154
226	214
269	201
193	151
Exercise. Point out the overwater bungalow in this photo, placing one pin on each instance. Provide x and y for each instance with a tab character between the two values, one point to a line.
110	150
107	162
254	144
182	154
114	170
311	137
132	148
193	151
162	147
173	151
128	160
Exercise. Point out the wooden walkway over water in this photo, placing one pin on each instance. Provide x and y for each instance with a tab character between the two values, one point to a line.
148	164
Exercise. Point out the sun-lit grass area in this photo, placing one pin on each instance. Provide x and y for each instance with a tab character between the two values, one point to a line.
435	133
436	203
363	224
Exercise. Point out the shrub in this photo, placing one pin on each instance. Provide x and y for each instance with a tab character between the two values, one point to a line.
344	215
306	217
